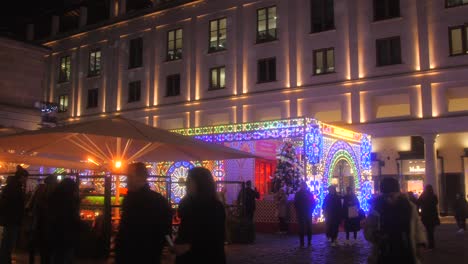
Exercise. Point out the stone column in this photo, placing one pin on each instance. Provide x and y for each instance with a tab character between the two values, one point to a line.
83	16
30	32
430	156
55	25
122	7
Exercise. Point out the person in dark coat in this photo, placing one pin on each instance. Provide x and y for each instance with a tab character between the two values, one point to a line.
460	208
201	232
351	214
428	203
304	203
12	202
246	198
332	209
64	210
146	220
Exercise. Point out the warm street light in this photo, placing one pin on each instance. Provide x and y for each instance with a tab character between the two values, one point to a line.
118	164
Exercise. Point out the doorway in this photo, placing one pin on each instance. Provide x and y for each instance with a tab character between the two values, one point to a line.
343	176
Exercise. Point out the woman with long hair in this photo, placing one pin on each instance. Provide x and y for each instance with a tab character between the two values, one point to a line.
201	231
428	203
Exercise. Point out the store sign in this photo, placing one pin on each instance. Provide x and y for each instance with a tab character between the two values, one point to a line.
341	133
416	169
412	167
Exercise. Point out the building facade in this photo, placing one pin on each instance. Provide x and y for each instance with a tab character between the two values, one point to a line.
22	75
394	69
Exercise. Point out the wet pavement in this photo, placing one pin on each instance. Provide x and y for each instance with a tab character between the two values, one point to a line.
284	249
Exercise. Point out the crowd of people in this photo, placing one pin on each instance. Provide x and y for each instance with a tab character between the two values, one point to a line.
51	215
398	225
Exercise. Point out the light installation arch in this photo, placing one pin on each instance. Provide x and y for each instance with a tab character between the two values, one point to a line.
323	145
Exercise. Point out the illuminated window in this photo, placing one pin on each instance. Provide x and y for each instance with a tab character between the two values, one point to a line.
386	9
324	61
65	69
94	63
173	85
63	103
218	78
174	44
92	98
453	3
458	40
322	15
134	91
267	70
266	24
135	53
388	51
218	34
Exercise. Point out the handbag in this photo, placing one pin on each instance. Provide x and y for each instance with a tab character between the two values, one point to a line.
353	212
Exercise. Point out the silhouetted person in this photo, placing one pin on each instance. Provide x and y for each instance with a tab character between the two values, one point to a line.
201	232
21	172
332	209
428	203
351	214
42	219
460	208
246	198
304	203
64	210
146	220
281	200
11	216
393	227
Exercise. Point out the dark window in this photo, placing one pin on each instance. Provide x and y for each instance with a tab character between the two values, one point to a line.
218	34
266	24
267	70
388	51
218	78
63	103
385	9
135	53
324	61
452	3
322	15
65	69
92	98
458	38
134	91
174	44
94	63
173	85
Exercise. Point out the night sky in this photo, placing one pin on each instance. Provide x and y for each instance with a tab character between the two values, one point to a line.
18	13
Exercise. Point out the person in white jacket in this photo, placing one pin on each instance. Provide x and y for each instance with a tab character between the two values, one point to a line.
393	227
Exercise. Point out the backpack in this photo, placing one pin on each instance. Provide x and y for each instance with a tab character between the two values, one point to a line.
394	232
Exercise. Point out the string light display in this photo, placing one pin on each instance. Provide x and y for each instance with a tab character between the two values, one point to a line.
323	146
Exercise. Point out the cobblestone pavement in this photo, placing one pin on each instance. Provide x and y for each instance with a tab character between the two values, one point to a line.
284	249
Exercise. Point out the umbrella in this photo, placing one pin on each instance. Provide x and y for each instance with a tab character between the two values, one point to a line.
11	158
115	140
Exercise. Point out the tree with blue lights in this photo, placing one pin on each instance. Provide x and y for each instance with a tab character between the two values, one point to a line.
289	172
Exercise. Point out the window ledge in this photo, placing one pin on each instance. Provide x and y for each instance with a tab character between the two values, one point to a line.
331	30
325	73
457	55
63	82
216	89
219	51
136	68
262	82
384	20
172	96
387	65
276	40
455	6
132	102
169	61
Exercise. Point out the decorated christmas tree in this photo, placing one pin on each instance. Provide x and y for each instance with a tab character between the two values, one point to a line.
289	172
